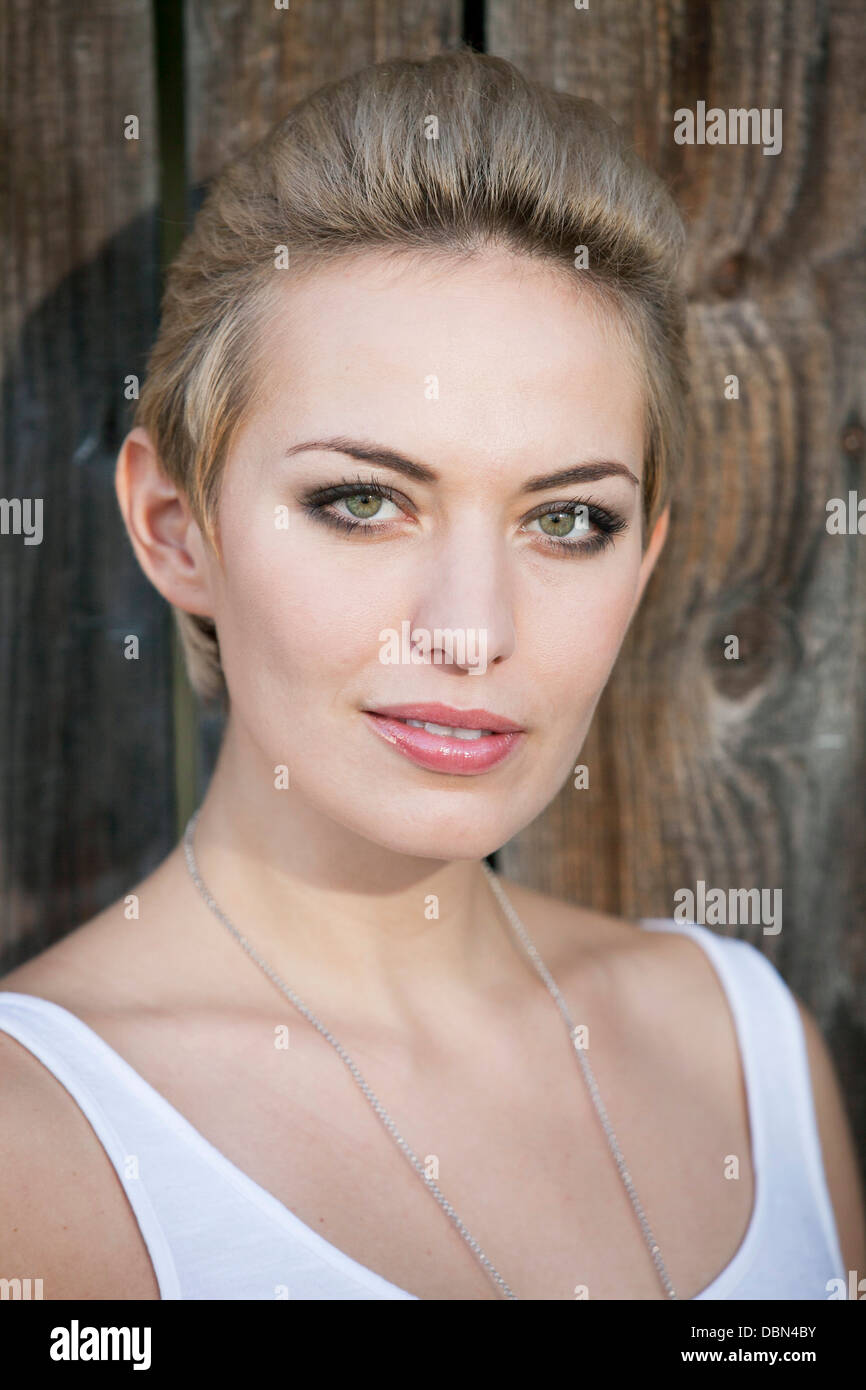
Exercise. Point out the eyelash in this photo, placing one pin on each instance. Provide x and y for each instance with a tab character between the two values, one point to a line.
609	524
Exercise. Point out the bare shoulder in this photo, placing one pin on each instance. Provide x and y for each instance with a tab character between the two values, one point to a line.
114	958
661	986
64	1215
656	969
72	966
837	1146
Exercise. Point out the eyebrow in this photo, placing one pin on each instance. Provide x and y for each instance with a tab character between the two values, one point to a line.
590	471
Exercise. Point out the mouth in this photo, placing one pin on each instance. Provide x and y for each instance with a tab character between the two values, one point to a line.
444	739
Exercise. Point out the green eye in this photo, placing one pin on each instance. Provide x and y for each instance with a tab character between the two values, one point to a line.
562	523
573	528
363	504
578	528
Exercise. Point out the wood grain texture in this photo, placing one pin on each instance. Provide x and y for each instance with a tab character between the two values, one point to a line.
746	773
248	64
86	757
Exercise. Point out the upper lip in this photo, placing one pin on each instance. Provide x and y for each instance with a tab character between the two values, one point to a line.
449	717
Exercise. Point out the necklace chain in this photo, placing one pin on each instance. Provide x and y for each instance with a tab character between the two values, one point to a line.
573	1032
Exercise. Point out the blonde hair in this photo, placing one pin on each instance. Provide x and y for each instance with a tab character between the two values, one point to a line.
449	156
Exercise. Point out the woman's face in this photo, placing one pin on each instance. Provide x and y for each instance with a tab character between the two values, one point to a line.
489	380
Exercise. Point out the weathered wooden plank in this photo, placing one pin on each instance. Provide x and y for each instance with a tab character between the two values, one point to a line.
248	64
86	762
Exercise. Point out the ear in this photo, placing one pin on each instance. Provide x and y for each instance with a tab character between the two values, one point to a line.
165	536
653	550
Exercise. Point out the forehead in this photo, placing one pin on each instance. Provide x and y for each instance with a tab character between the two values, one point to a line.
497	354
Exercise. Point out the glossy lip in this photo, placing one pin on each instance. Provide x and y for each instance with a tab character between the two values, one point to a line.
438	752
449	716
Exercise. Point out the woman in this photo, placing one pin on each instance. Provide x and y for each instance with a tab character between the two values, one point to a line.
401	465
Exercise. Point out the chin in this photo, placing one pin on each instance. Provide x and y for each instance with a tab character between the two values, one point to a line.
432	843
418	828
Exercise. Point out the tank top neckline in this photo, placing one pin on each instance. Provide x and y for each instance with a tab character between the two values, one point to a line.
338	1258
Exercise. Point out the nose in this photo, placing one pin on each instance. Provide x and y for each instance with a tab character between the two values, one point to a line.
466	607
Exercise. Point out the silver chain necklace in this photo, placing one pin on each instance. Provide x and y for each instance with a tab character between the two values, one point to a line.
573	1032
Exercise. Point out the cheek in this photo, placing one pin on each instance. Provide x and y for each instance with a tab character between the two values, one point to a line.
578	630
283	621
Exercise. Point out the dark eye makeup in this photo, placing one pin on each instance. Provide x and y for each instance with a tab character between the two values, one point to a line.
607	524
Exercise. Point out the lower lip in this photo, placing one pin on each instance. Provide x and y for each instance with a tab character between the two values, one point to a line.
440	753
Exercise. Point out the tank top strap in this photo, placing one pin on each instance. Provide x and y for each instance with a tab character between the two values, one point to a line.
211	1231
786	1145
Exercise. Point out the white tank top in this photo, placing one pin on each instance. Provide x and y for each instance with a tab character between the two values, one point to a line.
213	1233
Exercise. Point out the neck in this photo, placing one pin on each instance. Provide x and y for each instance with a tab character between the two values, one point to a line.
351	926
